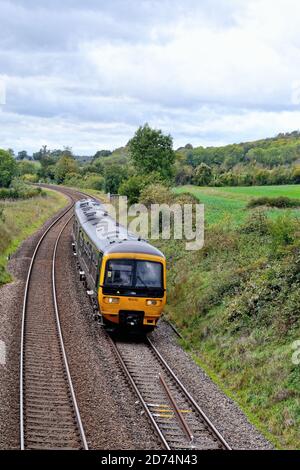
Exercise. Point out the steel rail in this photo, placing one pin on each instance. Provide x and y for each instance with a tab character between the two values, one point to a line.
144	404
22	438
176	409
23	321
77	413
189	397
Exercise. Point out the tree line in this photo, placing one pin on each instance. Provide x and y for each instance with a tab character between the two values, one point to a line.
149	158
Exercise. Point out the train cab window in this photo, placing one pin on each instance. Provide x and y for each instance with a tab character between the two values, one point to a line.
148	273
119	272
138	274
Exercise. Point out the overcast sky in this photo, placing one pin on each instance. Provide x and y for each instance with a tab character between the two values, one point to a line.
87	73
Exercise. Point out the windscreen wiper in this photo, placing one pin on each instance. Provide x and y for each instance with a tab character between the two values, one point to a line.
145	285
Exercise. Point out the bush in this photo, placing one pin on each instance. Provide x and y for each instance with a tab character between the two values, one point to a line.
256	223
94	182
134	185
269	297
282	231
20	190
202	175
29	178
74	179
26	167
114	175
279	202
156	194
132	188
8	168
186	198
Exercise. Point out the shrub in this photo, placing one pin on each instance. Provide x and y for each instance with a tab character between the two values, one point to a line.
73	179
186	198
20	190
279	202
94	181
114	175
202	175
269	297
132	188
134	185
282	231
257	222
29	178
8	168
156	194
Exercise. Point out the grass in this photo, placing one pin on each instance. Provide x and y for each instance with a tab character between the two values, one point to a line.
231	202
21	219
237	304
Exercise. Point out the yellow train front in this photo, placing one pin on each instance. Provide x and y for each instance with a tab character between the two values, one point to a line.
125	276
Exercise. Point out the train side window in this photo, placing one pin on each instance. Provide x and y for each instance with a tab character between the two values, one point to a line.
80	238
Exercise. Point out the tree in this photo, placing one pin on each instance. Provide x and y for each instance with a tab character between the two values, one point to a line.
202	175
183	175
68	151
135	184
132	188
22	155
8	168
114	175
65	165
43	152
151	150
102	153
26	168
296	174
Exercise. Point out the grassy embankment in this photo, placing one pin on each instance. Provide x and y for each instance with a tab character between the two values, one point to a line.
237	303
20	219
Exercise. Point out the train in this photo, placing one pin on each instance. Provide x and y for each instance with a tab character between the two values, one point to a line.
124	275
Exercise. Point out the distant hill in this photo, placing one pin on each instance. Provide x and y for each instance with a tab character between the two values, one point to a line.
284	149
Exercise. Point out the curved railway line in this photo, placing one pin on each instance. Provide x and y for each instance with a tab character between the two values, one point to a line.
177	419
49	415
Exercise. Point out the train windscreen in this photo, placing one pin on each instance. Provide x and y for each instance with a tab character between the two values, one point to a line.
136	274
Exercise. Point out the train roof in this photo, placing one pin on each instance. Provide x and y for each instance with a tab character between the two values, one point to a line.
106	234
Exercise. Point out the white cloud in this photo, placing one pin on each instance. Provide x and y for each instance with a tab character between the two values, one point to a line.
86	74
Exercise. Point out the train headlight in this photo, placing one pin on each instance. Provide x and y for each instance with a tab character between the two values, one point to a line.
111	300
151	302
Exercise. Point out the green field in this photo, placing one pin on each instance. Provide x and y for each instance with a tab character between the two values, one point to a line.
21	219
232	201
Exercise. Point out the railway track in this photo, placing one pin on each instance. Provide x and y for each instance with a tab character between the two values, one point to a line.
177	419
49	414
